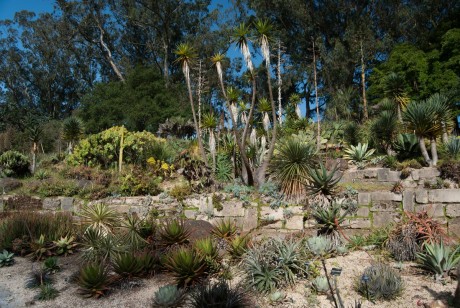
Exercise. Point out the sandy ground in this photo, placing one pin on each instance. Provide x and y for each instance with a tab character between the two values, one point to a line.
420	288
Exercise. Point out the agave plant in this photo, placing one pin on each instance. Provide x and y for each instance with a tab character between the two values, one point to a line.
290	166
380	281
439	259
207	247
238	246
126	265
319	246
219	294
329	220
187	265
149	263
168	296
93	280
290	261
65	245
47	292
173	232
100	217
50	265
320	285
406	146
322	181
224	229
358	153
6	258
40	248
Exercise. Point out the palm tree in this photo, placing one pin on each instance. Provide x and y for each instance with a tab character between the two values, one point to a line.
393	87
186	54
429	119
72	130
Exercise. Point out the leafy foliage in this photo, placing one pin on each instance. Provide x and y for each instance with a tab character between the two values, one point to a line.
6	258
453	147
65	245
439	259
238	246
100	217
380	281
320	285
219	294
93	280
13	163
168	296
406	146
329	220
358	153
224	168
50	265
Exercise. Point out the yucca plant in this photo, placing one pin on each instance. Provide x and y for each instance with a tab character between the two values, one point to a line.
6	258
290	165
219	294
50	265
93	280
131	227
100	217
322	181
380	281
173	232
126	265
168	296
187	266
439	259
149	263
98	246
224	229
358	153
238	246
38	278
65	245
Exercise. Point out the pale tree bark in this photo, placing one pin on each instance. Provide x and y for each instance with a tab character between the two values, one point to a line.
363	82
424	151
434	152
318	117
280	109
108	53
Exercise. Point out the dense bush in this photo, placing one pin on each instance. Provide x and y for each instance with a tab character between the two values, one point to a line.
13	163
450	170
103	149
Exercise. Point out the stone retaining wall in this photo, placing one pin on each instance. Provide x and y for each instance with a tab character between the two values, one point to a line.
375	209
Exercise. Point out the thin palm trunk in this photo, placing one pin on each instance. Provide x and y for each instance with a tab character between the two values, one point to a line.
424	151
434	151
399	113
280	109
363	83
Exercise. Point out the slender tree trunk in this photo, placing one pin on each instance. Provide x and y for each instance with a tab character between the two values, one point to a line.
166	64
263	167
425	155
434	151
280	109
445	136
195	121
199	94
399	114
318	116
240	142
363	83
307	102
108	53
34	157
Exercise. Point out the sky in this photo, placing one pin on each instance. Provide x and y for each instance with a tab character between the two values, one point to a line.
9	7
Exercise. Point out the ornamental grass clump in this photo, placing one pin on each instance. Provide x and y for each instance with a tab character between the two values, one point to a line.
380	282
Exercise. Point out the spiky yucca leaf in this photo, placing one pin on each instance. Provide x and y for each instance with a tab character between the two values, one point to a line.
100	217
219	294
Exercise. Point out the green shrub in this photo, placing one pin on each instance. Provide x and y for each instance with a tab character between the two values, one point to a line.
390	162
320	285
13	164
99	246
450	170
53	188
453	147
329	220
219	294
224	229
50	265
261	274
24	225
181	191
168	297
136	182
238	246
93	280
224	168
380	282
65	245
406	146
322	181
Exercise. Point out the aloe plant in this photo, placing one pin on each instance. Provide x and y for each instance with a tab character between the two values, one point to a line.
187	266
322	181
173	232
439	259
127	265
224	229
358	153
93	280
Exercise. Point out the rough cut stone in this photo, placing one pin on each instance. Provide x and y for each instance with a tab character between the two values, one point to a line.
444	195
250	219
272	225
190	214
341	164
428	173
122	208
385	206
385	196
408	183
268	213
370	173
66	203
8	184
363	212
231	208
386	175
51	204
383	219
453	210
421	196
294	223
311	223
364	198
433	210
453	227
408	200
2	205
359	223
